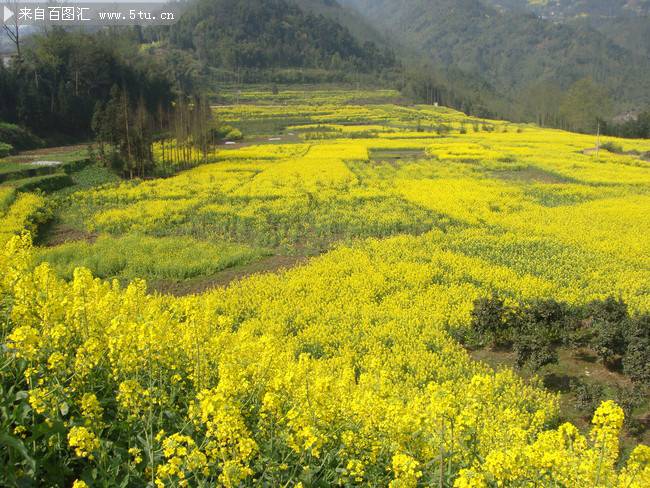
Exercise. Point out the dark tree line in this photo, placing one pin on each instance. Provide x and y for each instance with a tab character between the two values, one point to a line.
68	85
583	107
54	85
451	88
637	127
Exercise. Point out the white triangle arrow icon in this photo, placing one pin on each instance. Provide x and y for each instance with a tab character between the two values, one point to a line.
7	14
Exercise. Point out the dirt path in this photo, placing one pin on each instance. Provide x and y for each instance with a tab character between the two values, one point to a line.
270	264
55	234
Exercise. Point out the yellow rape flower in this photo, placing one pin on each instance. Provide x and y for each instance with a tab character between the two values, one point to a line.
83	441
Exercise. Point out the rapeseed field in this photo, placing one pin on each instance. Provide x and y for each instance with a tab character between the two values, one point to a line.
346	370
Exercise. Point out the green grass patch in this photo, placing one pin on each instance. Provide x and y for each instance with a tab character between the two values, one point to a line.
138	256
90	176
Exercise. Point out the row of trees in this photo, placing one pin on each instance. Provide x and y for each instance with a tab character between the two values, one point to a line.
637	127
54	84
582	107
126	131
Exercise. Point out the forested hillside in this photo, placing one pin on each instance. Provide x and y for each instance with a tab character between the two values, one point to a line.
54	85
513	50
626	22
631	33
273	33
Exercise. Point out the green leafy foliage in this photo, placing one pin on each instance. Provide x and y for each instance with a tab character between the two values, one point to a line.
45	183
489	319
609	319
54	87
636	363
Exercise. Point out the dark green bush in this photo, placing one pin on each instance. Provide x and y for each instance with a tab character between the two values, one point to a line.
610	309
609	320
548	318
588	396
613	147
490	320
46	183
226	132
636	363
18	137
534	351
538	328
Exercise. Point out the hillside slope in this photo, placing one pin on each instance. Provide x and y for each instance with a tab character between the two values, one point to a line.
273	33
348	17
511	49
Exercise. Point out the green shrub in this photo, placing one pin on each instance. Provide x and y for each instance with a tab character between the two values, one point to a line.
588	396
234	135
226	133
538	328
549	319
19	137
613	147
534	350
490	320
5	149
46	183
609	319
636	363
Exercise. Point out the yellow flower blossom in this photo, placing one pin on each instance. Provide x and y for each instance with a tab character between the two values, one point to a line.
83	441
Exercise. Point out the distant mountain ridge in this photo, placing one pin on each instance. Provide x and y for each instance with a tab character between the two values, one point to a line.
569	9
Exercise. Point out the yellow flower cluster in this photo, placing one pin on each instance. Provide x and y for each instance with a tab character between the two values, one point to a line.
183	461
83	441
26	213
564	457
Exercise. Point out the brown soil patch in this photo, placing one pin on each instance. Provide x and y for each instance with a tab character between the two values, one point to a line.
57	234
531	174
227	276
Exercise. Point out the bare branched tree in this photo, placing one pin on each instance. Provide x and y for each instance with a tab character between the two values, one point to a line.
12	29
